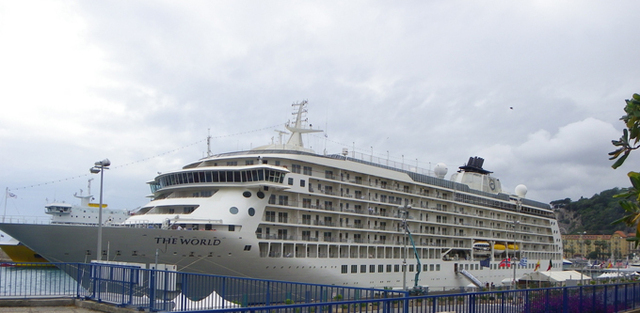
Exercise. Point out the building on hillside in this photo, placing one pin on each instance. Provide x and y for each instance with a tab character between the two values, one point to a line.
583	245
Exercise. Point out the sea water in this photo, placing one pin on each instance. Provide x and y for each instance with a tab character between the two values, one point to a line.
35	281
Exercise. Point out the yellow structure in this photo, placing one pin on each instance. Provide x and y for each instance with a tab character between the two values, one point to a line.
582	245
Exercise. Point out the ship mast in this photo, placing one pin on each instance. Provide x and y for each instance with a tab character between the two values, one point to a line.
298	129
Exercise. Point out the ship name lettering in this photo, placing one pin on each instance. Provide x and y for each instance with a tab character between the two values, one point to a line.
187	241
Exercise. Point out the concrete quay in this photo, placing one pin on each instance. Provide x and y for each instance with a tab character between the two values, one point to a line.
58	305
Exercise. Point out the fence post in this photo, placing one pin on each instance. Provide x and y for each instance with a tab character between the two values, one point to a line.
472	303
406	302
223	292
615	298
593	298
546	300
565	299
78	281
268	300
152	291
94	278
605	295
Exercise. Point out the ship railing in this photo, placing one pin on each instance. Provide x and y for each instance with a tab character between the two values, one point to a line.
16	219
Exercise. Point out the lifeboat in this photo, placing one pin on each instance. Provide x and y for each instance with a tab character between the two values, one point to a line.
498	248
481	248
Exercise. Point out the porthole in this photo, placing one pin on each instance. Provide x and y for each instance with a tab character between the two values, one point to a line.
233	210
252	211
260	194
246	194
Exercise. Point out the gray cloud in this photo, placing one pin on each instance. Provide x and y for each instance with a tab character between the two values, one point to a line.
536	88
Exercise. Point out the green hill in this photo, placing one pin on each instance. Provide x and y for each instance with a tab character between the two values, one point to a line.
593	215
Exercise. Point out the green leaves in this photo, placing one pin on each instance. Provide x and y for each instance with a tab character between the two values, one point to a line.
627	143
631	135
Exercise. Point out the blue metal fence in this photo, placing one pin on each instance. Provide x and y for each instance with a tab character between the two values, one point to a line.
157	290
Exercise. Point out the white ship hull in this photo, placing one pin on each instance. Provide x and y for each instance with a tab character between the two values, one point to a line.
221	253
283	212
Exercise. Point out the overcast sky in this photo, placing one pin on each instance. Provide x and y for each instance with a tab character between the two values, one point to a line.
536	88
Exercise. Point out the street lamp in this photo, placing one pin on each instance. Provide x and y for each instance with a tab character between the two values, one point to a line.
99	167
515	251
521	192
404	211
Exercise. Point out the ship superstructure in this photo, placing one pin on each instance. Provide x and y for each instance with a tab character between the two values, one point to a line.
283	212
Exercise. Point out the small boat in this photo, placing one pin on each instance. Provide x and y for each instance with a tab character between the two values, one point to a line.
481	248
498	248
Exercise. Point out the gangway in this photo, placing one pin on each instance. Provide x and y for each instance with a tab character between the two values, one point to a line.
472	278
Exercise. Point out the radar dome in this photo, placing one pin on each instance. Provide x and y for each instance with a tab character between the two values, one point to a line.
440	170
521	191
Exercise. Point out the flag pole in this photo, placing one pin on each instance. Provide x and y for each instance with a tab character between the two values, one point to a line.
6	195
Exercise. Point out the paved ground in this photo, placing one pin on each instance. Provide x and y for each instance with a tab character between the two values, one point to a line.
56	309
61	305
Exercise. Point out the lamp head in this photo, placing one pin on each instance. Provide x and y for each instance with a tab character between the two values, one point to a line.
103	163
94	170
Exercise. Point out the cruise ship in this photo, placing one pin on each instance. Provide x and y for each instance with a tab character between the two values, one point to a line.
284	212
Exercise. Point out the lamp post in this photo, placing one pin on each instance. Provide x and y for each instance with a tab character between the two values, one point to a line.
581	253
99	167
521	192
404	211
514	260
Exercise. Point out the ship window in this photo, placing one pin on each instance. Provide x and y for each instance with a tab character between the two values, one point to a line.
252	211
233	210
232	227
290	181
260	194
244	176
372	268
344	269
307	170
396	268
270	216
380	268
246	194
354	268
388	268
302	183
248	162
207	227
411	267
363	268
247	248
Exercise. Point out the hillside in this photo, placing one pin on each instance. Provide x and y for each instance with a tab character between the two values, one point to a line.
593	215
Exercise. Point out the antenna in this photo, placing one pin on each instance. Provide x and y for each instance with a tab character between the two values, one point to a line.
209	142
280	133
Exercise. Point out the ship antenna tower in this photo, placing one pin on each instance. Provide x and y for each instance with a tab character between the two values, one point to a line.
297	129
209	142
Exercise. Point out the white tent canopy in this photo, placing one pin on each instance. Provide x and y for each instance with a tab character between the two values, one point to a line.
617	274
554	276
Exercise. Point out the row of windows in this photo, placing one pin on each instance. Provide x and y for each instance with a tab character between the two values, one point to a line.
390	268
217	176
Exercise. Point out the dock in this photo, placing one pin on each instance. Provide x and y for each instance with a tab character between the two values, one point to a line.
58	305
